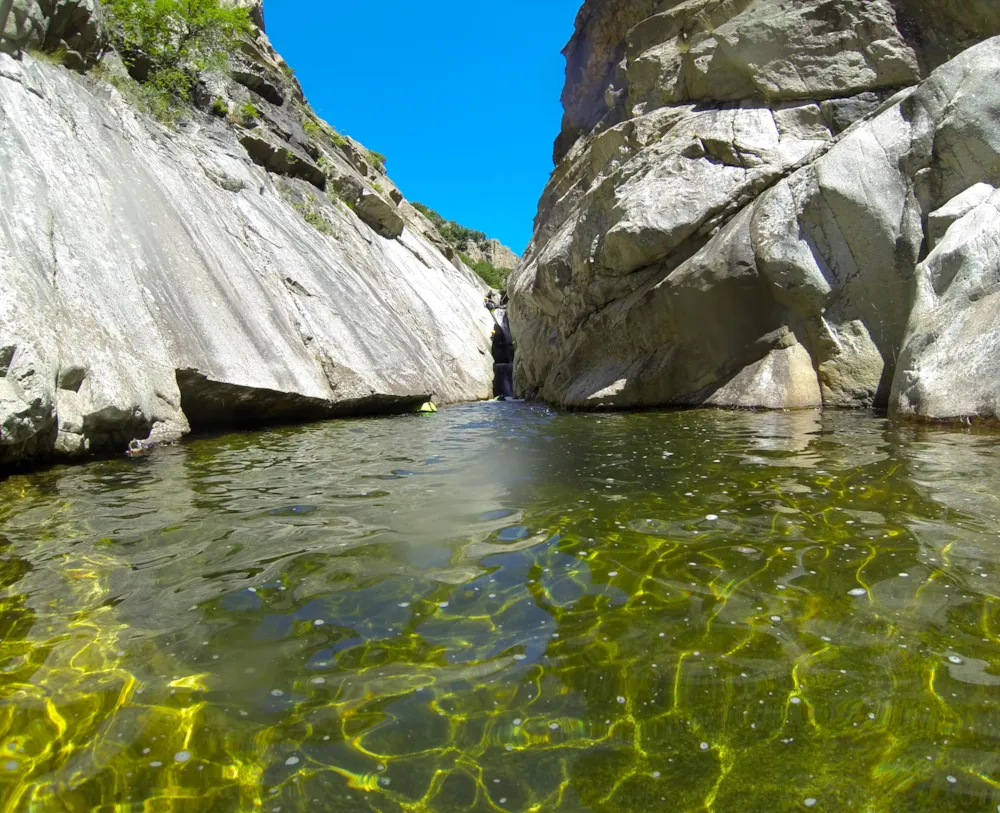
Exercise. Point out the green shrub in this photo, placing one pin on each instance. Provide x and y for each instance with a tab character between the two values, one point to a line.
377	160
378	187
249	112
456	234
318	131
488	273
460	236
307	208
165	43
315	219
147	98
57	56
312	128
219	107
429	213
345	193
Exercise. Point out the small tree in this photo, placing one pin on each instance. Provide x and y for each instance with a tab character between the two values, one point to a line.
166	42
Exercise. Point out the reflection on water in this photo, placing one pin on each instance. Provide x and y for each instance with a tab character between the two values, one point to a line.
498	608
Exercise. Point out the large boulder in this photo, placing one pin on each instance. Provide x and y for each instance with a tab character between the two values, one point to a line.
76	29
747	220
73	28
950	364
22	24
379	213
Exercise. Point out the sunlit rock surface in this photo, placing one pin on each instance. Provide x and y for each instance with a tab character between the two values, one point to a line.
155	279
762	204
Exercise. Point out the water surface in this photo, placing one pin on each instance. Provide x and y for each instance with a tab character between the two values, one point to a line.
500	608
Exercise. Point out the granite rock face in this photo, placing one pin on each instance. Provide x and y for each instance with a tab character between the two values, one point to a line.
764	204
494	252
155	279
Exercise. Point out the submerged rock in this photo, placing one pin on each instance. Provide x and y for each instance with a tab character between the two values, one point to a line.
770	205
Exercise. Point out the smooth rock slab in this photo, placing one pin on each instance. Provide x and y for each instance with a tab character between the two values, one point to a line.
136	288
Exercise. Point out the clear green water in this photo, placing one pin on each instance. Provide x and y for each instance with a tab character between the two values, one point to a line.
498	608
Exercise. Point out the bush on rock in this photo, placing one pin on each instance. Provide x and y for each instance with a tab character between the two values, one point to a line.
164	43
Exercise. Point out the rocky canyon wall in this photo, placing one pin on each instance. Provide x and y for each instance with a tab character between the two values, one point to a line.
231	269
770	204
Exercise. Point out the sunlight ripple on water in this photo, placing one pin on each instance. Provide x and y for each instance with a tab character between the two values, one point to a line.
611	613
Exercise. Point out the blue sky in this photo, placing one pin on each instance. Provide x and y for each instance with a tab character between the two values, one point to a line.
462	97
